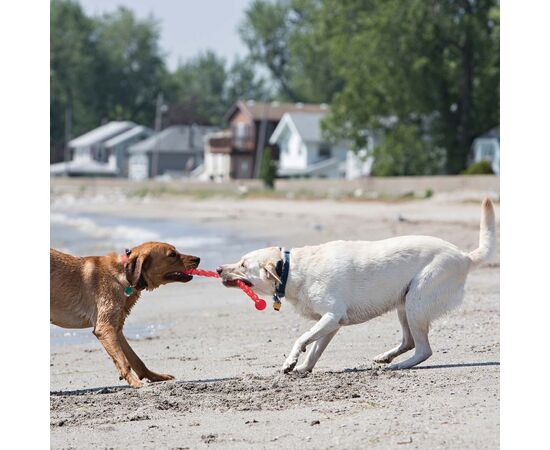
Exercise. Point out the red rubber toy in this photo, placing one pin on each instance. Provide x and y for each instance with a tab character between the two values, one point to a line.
258	302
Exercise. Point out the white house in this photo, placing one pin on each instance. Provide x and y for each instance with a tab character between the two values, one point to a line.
217	164
359	164
304	153
90	156
487	147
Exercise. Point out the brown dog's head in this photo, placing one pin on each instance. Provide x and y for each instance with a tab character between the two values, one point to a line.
153	264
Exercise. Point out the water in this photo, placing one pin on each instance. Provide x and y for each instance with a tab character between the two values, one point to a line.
97	234
132	331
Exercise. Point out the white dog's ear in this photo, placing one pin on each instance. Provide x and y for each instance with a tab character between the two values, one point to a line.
271	272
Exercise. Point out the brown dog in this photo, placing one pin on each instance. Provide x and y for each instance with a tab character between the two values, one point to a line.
100	291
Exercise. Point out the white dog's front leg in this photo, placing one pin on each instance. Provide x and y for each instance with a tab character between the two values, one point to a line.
327	324
315	352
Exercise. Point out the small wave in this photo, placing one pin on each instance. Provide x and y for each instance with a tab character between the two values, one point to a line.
129	235
118	232
185	242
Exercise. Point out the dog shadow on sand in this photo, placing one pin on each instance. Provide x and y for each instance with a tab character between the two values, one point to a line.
373	368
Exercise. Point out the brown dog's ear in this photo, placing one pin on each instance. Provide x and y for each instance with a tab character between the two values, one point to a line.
271	271
134	269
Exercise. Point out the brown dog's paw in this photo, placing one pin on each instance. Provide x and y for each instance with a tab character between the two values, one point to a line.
134	382
152	376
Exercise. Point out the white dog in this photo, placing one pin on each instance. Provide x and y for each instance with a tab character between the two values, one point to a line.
349	282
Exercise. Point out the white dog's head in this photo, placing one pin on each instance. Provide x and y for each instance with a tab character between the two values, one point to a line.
258	269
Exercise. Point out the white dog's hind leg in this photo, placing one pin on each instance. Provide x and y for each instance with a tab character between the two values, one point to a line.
435	291
328	323
419	325
422	347
315	352
407	342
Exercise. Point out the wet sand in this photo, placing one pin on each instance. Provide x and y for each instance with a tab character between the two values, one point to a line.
226	356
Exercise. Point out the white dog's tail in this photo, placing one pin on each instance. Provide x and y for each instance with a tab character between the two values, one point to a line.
487	235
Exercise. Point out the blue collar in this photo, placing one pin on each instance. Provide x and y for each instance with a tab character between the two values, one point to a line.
283	267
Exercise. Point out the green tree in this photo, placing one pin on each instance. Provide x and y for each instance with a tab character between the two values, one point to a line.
268	169
265	31
288	38
404	152
430	65
103	68
203	88
479	168
244	83
130	65
201	82
73	52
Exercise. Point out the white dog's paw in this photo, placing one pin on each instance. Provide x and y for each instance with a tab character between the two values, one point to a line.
383	358
302	368
400	366
289	365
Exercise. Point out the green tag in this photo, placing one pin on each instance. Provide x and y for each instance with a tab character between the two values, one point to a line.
128	291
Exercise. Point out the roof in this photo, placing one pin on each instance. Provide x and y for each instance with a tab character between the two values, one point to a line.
101	134
273	111
492	133
315	169
307	125
127	135
177	138
82	167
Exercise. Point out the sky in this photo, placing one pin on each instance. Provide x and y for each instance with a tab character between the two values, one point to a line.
187	26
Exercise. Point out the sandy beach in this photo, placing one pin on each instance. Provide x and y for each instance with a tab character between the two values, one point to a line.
226	356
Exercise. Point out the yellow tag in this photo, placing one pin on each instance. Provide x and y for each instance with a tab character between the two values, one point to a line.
276	306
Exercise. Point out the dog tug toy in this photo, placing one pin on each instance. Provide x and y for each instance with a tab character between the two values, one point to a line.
258	302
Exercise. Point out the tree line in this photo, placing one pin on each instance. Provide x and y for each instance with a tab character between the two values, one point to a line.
421	77
111	67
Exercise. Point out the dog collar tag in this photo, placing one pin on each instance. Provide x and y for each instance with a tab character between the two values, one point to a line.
128	291
276	303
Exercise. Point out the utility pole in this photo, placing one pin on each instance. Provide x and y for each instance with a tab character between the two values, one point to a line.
68	128
257	161
160	109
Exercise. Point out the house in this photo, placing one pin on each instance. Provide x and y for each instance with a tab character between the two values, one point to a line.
487	147
117	147
304	153
175	151
250	126
359	164
217	164
90	157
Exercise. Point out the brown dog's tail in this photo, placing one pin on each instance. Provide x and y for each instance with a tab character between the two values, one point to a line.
487	235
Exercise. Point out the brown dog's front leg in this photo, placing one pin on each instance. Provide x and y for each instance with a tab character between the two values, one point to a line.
138	365
110	340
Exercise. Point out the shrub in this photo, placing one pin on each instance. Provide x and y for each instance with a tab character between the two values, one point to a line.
479	168
403	151
268	169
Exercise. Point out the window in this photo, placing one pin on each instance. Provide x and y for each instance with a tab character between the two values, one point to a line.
325	152
242	130
242	136
487	151
284	140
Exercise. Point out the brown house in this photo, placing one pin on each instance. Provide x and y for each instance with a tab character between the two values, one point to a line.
251	125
